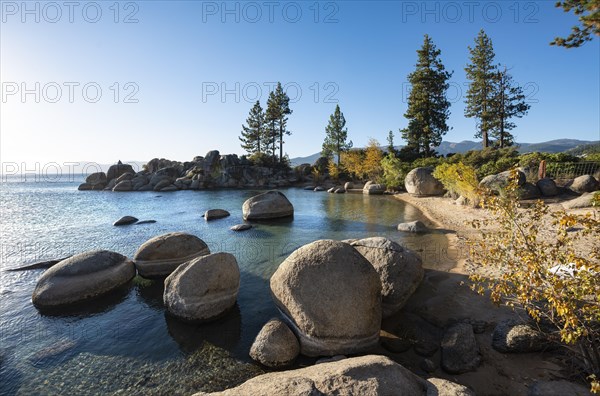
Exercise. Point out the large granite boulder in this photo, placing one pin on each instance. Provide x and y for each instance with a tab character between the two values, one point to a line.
529	191
82	277
373	189
420	182
124	185
369	375
268	205
510	336
275	345
399	269
204	288
499	182
330	296
442	387
547	187
584	184
161	255
460	352
117	170
585	201
97	179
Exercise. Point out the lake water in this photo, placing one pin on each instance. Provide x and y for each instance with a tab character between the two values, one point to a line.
125	344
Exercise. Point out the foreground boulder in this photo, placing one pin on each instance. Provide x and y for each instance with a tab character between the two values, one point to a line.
460	352
275	345
584	184
399	269
82	277
366	375
529	191
510	336
204	288
269	205
331	297
442	387
160	255
420	182
499	182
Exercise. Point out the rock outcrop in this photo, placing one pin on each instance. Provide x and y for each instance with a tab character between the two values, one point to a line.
330	295
204	288
420	182
82	277
161	255
366	375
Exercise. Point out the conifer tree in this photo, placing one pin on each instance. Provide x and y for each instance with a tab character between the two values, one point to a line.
481	72
252	135
283	110
508	101
428	107
390	140
271	118
589	18
336	136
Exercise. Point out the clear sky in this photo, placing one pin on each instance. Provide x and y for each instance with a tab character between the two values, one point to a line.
144	79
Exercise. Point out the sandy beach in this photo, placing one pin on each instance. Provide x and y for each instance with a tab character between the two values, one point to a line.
445	297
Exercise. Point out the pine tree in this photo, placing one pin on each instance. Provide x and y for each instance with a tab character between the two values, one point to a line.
428	107
336	136
390	140
271	132
481	73
589	18
283	110
252	135
508	101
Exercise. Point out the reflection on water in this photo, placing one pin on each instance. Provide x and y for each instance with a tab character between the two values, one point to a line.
126	338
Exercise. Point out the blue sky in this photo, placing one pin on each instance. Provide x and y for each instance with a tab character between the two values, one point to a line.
179	79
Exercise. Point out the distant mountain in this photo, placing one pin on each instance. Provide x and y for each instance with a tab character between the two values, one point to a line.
552	146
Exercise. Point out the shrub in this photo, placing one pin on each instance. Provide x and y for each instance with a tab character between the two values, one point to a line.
554	281
459	179
393	174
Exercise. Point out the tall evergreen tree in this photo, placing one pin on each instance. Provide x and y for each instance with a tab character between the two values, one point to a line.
428	107
252	135
508	101
283	110
271	118
390	140
336	136
481	72
589	18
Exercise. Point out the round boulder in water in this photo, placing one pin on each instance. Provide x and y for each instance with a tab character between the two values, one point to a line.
275	345
161	255
269	205
82	277
204	288
330	296
400	270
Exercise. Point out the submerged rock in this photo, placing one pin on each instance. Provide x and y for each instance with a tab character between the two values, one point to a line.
160	255
82	277
275	345
331	297
241	227
269	205
204	288
213	214
125	220
413	226
365	375
400	270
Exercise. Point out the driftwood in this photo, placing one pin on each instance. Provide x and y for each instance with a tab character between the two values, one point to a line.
40	265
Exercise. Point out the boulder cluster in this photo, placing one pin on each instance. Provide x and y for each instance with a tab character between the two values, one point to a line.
211	171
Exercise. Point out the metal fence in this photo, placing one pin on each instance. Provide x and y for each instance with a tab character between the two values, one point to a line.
570	170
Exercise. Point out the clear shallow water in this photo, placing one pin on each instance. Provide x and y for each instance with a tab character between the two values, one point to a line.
126	343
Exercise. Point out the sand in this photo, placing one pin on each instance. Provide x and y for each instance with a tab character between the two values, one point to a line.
444	297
